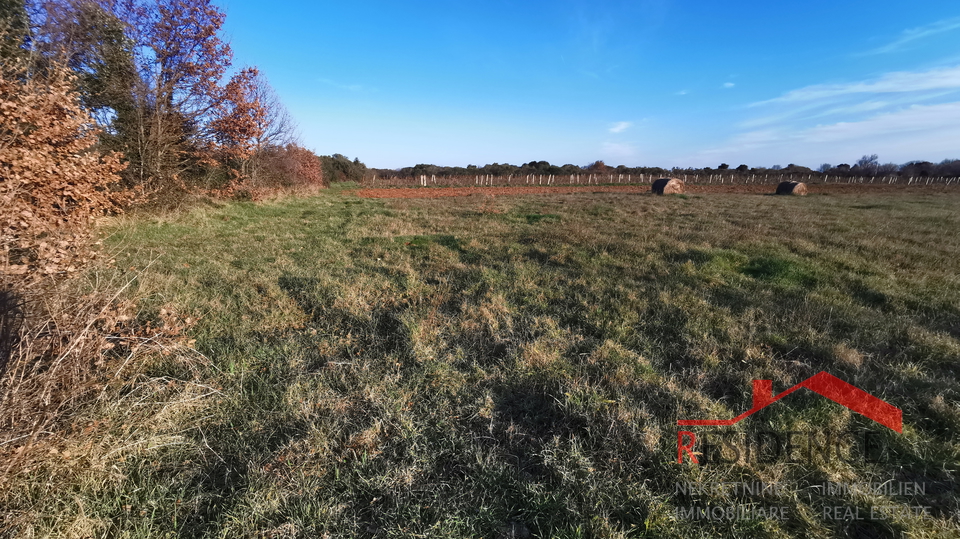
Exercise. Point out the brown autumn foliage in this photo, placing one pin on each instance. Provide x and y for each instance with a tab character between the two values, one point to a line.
598	167
290	166
53	181
281	170
62	340
238	123
152	73
181	59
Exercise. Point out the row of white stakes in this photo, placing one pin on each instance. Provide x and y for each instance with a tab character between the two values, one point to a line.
549	179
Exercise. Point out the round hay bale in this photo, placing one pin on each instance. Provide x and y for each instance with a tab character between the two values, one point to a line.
792	188
668	186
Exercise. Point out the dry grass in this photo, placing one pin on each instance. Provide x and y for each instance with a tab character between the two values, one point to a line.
488	367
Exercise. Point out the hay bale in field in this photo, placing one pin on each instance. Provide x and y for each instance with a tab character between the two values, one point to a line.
792	188
668	186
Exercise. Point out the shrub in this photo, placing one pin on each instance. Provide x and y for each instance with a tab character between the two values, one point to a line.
53	180
53	183
289	166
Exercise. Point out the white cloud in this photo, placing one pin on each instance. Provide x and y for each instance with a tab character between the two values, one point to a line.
943	118
620	127
900	116
914	34
850	108
947	78
728	85
681	92
866	106
914	132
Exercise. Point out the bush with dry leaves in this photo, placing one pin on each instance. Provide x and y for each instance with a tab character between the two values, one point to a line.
53	180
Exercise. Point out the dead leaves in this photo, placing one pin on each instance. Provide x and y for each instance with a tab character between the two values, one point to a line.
53	181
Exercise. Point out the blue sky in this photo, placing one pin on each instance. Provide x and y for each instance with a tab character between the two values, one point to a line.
642	83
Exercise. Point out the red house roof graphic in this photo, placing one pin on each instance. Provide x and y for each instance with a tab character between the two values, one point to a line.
827	385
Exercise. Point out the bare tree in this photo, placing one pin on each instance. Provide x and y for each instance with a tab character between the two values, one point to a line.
888	169
277	129
868	164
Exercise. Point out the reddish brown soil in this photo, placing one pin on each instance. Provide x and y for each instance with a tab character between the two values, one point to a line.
693	189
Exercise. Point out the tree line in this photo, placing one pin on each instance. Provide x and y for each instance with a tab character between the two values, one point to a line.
341	168
869	165
499	170
158	79
107	101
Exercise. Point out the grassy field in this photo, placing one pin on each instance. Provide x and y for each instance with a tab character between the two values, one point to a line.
510	367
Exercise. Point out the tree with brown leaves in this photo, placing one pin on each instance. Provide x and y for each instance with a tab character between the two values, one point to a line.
239	121
180	59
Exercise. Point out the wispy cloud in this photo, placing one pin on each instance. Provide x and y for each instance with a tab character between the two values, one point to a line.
941	118
866	106
728	85
899	115
681	92
914	34
915	132
896	82
620	127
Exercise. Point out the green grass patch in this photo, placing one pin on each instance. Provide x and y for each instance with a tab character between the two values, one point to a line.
780	270
534	218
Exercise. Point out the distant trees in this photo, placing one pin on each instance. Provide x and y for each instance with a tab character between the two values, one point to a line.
154	75
868	164
797	169
887	169
949	167
288	166
538	168
919	169
339	168
598	167
532	168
